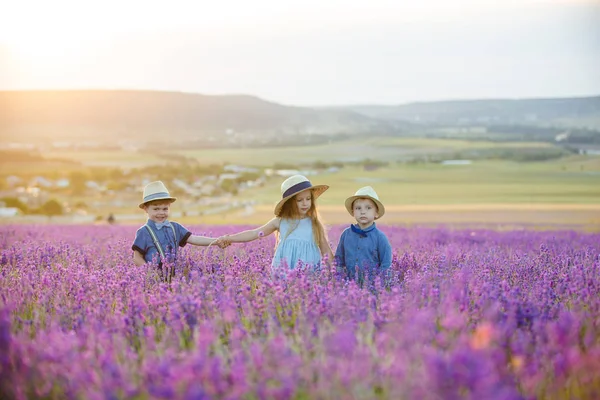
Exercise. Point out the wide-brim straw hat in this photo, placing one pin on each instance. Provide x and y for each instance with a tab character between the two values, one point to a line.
294	185
366	192
155	191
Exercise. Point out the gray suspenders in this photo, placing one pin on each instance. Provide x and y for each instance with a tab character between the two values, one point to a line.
158	246
156	242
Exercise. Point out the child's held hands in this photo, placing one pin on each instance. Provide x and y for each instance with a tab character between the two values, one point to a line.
223	241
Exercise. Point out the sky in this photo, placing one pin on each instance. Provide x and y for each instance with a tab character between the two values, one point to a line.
308	52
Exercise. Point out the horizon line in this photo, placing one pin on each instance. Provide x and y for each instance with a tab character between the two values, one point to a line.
332	105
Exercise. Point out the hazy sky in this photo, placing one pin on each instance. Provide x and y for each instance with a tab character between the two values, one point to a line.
306	52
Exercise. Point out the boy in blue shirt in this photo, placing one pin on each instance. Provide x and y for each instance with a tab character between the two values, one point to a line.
364	251
158	239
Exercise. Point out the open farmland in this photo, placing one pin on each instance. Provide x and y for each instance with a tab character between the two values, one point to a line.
388	149
563	192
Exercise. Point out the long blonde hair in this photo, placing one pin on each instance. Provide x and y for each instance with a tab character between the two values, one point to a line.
290	211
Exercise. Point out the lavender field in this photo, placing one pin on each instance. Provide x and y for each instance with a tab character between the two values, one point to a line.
471	314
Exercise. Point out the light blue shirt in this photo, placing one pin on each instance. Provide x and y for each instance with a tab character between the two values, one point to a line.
297	245
372	254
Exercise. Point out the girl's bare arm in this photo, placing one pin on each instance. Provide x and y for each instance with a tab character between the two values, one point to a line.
326	250
253	234
200	240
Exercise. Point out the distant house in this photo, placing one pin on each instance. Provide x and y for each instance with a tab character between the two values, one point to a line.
62	183
183	185
9	212
562	136
224	177
307	172
208	189
238	168
40	181
456	162
13	180
287	172
92	185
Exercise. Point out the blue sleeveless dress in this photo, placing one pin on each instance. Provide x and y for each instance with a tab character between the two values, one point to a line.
296	246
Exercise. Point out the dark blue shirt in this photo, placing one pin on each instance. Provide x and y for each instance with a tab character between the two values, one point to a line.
371	252
145	245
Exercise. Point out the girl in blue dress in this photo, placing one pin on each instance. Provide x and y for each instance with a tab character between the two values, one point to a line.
301	237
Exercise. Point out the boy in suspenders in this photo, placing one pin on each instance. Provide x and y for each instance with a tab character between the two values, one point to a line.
158	239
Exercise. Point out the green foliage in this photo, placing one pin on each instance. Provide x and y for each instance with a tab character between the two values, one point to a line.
587	136
284	165
325	165
248	176
374	163
99	174
117	185
51	208
14	202
77	180
81	205
230	186
524	154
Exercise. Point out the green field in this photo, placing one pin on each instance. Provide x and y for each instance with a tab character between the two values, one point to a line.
388	149
374	148
568	188
567	181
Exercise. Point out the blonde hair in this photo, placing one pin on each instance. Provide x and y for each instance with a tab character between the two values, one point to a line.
289	210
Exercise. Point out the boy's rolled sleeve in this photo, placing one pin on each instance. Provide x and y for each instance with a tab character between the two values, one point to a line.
183	233
141	242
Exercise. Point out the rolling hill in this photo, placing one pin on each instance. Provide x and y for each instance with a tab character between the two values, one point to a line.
153	116
112	115
576	112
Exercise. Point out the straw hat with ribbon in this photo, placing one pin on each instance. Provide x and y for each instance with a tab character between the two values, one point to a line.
155	191
294	185
366	192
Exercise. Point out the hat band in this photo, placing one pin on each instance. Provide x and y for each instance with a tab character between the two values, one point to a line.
298	187
154	196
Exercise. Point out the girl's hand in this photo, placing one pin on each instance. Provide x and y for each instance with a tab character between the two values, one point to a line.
223	241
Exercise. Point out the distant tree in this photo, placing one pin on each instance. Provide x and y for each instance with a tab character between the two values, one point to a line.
116	174
99	174
248	176
230	186
82	205
116	185
77	180
319	164
280	165
51	207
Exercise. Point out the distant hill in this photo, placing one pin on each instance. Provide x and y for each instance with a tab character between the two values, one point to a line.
577	112
112	115
240	120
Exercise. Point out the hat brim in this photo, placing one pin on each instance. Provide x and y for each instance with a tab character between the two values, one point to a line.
380	207
141	205
317	190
